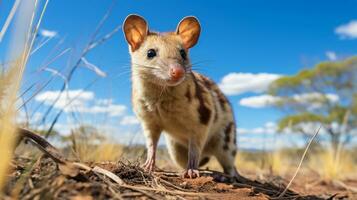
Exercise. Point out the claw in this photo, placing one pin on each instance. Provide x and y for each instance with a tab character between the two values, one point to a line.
149	165
191	173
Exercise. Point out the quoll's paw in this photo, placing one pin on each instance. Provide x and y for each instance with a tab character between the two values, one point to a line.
149	166
222	178
191	173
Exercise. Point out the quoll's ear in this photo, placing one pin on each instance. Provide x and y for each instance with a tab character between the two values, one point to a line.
189	29
135	30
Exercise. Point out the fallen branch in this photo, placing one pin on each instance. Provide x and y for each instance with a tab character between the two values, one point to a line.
344	186
109	174
42	144
65	166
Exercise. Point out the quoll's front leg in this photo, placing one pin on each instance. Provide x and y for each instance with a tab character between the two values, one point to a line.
152	137
194	151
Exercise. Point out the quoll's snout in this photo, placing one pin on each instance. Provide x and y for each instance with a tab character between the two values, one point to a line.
176	72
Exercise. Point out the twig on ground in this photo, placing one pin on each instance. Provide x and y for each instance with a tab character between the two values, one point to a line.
346	187
42	144
108	174
174	186
115	193
300	163
166	191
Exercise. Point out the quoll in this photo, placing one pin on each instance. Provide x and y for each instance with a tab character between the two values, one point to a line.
168	97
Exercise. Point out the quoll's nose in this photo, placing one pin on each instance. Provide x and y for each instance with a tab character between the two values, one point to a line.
176	72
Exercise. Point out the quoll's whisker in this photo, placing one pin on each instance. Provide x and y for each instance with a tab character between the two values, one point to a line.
121	74
202	61
147	66
197	67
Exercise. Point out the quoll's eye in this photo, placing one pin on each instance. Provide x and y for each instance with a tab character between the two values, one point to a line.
151	53
183	54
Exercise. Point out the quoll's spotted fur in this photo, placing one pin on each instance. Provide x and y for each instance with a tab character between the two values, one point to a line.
168	97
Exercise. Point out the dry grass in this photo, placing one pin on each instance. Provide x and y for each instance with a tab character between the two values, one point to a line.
7	140
243	161
11	75
89	144
106	151
276	163
273	163
8	79
22	39
331	167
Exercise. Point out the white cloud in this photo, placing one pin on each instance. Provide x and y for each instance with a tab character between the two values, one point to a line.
309	99
238	83
270	140
347	31
47	33
331	55
268	128
260	101
72	97
104	101
81	101
30	118
64	129
129	120
112	109
309	128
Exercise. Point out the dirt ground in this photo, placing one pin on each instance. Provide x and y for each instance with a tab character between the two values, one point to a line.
43	179
54	176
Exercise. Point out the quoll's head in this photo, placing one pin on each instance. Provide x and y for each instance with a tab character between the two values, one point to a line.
161	58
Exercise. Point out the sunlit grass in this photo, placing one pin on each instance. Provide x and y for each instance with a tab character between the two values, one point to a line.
242	161
20	45
322	161
275	163
7	140
105	151
331	167
11	79
269	162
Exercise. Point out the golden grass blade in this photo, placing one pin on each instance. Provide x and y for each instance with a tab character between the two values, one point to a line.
6	141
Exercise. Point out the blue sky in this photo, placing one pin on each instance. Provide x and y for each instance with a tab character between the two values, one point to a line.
243	37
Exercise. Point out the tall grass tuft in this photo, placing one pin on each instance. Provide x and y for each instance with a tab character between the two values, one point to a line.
330	167
89	144
105	151
25	26
7	129
275	163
